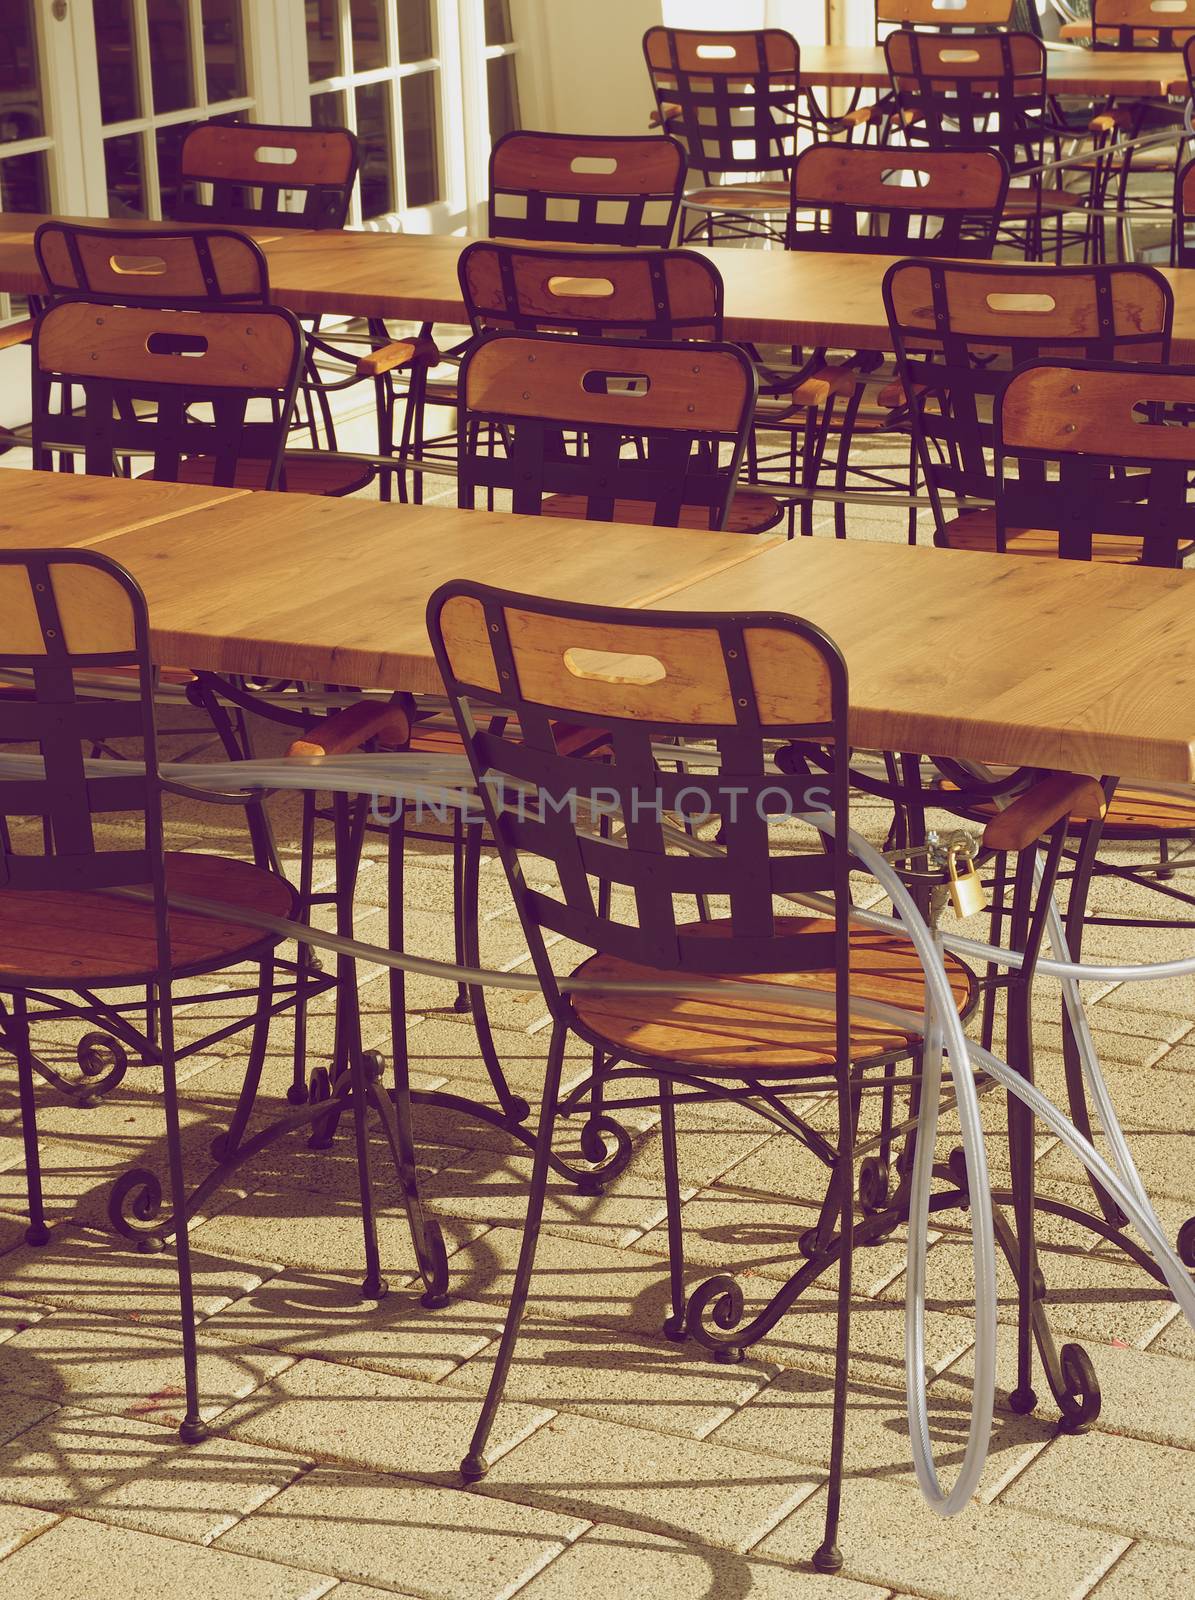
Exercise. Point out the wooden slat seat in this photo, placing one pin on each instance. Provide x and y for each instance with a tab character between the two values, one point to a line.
67	939
759	195
976	530
750	512
1024	202
305	472
745	1037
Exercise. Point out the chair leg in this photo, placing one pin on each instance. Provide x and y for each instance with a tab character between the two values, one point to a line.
828	1557
192	1429
674	1324
469	954
475	1465
17	1039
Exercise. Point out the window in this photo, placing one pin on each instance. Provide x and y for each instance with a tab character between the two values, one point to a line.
502	88
163	65
373	66
24	142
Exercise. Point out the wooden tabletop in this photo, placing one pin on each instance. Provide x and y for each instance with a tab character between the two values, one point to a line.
1096	73
290	585
1059	664
772	296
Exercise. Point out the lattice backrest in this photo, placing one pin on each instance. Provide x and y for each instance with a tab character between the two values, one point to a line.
255	171
1141	24
196	371
945	13
731	682
68	612
1086	448
661	424
659	294
857	198
734	94
958	330
973	92
586	188
201	266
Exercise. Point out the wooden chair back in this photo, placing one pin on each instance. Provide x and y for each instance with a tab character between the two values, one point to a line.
574	188
983	91
1182	252
735	96
1141	24
654	294
959	329
661	424
198	267
164	384
1086	448
944	14
69	613
862	199
646	678
255	171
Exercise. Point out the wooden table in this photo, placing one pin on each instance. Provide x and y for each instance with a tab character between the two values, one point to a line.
772	296
993	658
1091	73
1060	664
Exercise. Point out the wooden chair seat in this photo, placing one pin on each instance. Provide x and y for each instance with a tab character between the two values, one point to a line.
743	1037
306	472
976	530
1023	202
758	195
65	939
750	512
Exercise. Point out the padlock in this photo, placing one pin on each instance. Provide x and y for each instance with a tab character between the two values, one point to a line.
967	894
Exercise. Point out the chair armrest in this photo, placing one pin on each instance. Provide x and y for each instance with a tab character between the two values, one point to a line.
398	353
16	333
1036	811
387	722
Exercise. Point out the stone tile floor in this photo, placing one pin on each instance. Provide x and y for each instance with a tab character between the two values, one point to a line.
625	1466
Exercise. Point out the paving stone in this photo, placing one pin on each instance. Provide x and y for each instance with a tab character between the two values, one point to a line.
148	1568
1127	1486
71	1455
1155	1109
791	1418
91	1272
17	1525
197	1492
21	1411
1177	1338
323	1314
17	1315
1149	1569
644	1566
657	1385
889	1536
314	1231
373	1420
137	1371
439	1543
683	1488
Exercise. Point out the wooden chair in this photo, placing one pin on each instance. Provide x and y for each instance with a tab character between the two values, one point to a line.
988	92
959	329
1182	249
967	15
575	188
1140	24
856	198
1092	452
181	364
733	682
733	100
254	173
688	408
649	294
